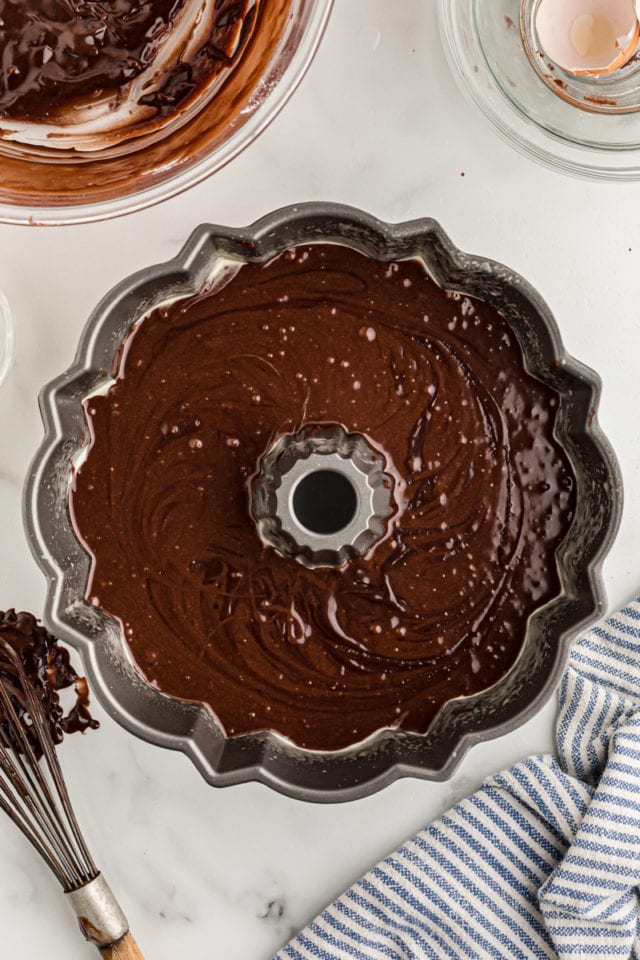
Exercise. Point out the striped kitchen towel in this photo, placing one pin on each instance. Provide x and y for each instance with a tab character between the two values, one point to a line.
543	861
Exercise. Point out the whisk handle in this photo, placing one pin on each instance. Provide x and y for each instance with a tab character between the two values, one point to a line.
126	949
102	921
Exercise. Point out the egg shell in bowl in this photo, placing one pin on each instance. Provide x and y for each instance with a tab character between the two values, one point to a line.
588	37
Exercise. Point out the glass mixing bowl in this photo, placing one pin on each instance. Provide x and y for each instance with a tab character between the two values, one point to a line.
49	187
6	337
582	126
369	765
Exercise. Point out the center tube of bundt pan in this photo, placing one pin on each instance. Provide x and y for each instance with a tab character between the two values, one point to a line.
322	496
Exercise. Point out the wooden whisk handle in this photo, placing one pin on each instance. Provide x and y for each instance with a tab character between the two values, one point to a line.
102	921
125	949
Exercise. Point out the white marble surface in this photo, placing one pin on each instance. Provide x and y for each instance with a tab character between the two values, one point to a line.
377	123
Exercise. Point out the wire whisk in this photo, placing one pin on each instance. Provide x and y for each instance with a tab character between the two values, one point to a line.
34	795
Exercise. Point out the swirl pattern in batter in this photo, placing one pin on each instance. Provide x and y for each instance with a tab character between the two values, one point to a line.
325	657
108	70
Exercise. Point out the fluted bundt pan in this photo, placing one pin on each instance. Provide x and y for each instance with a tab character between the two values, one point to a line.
265	756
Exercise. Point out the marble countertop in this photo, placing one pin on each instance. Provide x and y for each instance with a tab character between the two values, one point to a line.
377	123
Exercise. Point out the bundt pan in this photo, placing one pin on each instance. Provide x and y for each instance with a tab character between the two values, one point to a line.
267	757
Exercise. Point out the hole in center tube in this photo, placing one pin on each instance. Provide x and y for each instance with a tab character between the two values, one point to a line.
324	501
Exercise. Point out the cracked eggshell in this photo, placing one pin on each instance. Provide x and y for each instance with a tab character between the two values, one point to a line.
588	37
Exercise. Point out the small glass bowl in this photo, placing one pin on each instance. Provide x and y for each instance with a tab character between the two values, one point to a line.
6	337
617	92
585	126
44	189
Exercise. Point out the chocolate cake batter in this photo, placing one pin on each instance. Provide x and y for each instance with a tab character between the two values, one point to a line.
48	668
438	609
99	100
62	55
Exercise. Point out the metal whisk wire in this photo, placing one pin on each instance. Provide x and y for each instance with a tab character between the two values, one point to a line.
32	790
34	796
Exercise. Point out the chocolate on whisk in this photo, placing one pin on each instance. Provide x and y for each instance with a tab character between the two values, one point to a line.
48	667
33	793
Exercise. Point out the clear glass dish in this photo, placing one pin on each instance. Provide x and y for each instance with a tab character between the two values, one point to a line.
6	337
584	127
41	189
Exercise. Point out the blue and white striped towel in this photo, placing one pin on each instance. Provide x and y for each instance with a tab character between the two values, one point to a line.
543	861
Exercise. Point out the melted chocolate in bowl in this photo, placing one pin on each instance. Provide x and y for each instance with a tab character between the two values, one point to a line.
99	101
63	60
437	609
